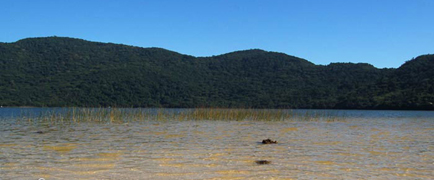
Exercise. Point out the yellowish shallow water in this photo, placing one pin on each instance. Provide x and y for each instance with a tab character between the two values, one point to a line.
355	148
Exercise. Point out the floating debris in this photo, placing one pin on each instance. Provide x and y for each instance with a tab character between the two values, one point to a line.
262	162
268	141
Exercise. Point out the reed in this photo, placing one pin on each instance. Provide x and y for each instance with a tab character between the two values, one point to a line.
124	115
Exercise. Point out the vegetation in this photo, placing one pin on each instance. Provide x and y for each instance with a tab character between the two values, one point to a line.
65	72
125	115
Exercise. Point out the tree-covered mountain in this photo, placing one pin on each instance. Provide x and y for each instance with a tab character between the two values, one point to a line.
58	71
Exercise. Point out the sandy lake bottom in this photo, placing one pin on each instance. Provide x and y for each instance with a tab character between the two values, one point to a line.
384	147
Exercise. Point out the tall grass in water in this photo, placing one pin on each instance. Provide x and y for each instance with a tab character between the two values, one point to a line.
122	115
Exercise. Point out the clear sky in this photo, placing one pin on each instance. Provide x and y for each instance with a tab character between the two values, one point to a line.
384	33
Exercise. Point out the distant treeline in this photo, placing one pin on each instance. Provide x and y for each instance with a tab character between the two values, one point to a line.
62	72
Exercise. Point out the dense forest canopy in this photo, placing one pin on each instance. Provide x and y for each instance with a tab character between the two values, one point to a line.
57	71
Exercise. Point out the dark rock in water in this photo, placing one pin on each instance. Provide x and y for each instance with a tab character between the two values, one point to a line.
262	162
268	141
40	132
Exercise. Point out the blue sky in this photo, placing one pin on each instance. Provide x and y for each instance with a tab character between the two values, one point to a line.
385	33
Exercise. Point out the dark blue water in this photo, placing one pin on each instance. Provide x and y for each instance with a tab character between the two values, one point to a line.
10	113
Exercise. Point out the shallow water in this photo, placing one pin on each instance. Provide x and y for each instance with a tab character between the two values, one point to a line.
361	145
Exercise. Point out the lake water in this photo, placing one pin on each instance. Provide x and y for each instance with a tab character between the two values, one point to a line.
354	145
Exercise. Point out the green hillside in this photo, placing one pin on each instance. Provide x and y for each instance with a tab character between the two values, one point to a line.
58	71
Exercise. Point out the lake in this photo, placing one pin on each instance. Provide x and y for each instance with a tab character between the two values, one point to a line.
55	143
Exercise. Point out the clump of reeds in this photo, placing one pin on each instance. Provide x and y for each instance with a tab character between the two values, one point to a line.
234	114
123	115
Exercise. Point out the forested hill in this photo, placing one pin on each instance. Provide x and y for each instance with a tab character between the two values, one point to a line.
58	71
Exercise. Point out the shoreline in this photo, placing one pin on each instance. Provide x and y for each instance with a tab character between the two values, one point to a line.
28	107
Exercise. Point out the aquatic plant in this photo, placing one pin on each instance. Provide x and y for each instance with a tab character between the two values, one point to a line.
124	115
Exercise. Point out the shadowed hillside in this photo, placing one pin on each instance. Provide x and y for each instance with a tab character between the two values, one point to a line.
58	71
